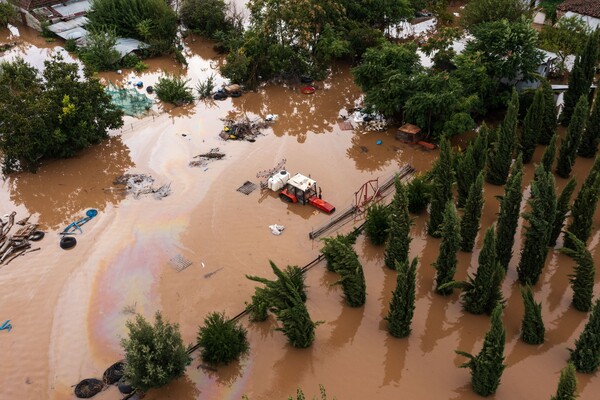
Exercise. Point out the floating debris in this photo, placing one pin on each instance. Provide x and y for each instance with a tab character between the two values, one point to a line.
210	274
244	128
179	263
276	229
213	154
17	244
140	184
247	188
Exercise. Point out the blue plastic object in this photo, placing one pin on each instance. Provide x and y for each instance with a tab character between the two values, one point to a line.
76	226
378	142
6	325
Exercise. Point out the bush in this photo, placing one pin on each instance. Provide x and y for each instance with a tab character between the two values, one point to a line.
7	14
418	194
140	66
222	341
206	17
154	354
205	88
99	53
173	89
70	45
377	224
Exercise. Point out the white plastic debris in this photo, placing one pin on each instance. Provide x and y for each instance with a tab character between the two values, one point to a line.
271	117
276	229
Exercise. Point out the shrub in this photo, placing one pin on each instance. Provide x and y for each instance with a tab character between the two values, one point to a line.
140	66
222	340
205	17
206	87
418	194
377	224
99	53
173	89
7	14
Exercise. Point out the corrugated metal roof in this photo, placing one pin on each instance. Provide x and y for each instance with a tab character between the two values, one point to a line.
67	25
126	46
73	8
74	33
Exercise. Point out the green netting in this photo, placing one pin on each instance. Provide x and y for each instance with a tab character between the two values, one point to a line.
129	100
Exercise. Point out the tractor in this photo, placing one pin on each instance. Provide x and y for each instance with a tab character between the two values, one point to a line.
298	189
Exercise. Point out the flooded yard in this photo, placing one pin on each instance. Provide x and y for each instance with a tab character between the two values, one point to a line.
68	308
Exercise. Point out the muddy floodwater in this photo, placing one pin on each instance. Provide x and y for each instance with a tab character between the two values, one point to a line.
68	308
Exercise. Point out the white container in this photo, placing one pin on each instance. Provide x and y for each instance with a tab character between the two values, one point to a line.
278	181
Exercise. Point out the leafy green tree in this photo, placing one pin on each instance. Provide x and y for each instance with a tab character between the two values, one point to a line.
542	205
487	366
154	354
470	163
441	188
99	52
479	11
445	264
483	292
285	299
582	279
532	126
566	37
377	224
50	116
562	208
550	114
151	21
586	355
532	327
174	89
591	137
581	77
567	385
568	147
583	209
402	305
381	14
470	221
508	218
206	17
352	279
222	340
549	154
419	193
7	14
500	158
398	243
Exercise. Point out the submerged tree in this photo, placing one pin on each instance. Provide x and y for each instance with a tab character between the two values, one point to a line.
562	208
402	305
398	243
470	164
582	279
154	354
591	137
550	153
498	162
285	299
487	366
222	340
469	224
352	279
508	218
377	224
532	327
567	385
532	126
441	188
586	355
419	193
334	250
445	264
550	114
569	145
542	204
584	207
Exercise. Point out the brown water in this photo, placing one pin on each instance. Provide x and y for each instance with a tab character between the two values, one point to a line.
68	308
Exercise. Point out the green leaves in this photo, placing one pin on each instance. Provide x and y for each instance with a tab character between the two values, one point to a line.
569	145
445	264
402	304
532	326
582	279
398	241
173	89
586	355
222	340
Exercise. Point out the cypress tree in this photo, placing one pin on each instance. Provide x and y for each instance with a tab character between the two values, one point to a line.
480	147
441	190
532	327
591	137
549	153
569	145
398	243
508	219
532	126
581	77
466	174
499	159
377	224
567	385
562	208
583	209
483	292
550	114
334	249
586	355
487	367
352	279
402	305
542	204
419	194
582	279
445	264
469	224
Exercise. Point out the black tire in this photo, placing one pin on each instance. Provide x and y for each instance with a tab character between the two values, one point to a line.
220	96
306	79
235	94
37	236
88	388
67	242
125	388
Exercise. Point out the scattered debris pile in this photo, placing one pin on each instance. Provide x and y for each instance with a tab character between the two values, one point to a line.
17	244
359	117
140	184
203	159
244	128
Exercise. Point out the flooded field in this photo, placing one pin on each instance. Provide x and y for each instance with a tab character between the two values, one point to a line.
68	308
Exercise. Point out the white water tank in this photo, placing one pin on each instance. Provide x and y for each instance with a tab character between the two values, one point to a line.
278	181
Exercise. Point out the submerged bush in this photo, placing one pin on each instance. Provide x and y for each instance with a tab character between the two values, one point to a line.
222	340
418	194
173	89
377	224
